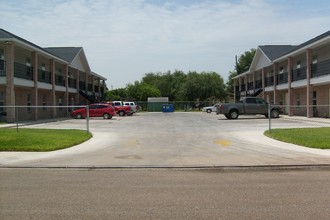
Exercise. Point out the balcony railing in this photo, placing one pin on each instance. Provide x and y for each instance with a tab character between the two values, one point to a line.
2	67
282	78
258	84
321	68
298	74
96	88
59	80
250	86
269	81
82	85
72	83
23	71
90	87
44	76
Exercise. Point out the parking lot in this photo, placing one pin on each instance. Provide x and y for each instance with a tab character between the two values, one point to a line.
174	140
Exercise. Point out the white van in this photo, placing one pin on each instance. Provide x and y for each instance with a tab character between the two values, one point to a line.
132	105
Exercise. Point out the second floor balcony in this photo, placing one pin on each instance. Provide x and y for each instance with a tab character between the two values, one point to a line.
90	87
298	74
44	76
2	67
269	81
23	71
321	68
282	78
72	83
82	85
59	81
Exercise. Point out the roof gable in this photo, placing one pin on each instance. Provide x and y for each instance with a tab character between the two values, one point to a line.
73	55
275	51
66	53
266	54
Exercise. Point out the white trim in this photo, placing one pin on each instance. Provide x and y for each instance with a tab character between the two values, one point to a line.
282	86
300	83
320	80
72	90
23	82
42	85
60	88
3	80
269	88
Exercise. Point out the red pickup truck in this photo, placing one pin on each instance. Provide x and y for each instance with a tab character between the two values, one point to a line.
120	109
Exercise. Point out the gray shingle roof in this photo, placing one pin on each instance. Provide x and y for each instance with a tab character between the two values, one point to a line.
7	35
66	53
276	51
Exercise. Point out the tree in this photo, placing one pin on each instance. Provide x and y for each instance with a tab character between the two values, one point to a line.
203	86
244	62
141	91
116	94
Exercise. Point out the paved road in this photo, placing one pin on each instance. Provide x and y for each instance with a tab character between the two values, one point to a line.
174	139
163	194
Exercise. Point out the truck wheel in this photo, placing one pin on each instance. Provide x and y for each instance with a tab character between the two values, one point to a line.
107	116
274	113
208	110
121	113
227	116
233	114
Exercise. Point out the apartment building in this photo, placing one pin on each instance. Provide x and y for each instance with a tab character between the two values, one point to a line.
34	76
297	77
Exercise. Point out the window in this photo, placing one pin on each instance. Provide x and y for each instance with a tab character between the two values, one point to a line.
2	57
261	101
43	71
28	67
60	103
44	98
314	97
59	77
298	64
251	100
314	65
315	59
28	102
93	107
281	99
2	102
298	100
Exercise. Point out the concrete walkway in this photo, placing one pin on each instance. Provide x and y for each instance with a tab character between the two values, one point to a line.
174	140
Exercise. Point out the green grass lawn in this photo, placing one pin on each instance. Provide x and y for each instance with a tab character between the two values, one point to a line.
40	139
308	137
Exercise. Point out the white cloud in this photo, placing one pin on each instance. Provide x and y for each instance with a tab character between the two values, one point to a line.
125	39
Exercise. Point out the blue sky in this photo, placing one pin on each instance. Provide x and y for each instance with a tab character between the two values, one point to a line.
124	39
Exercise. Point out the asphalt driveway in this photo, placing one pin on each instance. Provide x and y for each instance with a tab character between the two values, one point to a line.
173	140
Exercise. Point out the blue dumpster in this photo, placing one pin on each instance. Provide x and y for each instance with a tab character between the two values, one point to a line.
168	108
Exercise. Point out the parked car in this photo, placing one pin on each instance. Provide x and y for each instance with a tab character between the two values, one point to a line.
248	106
132	105
210	109
95	110
121	109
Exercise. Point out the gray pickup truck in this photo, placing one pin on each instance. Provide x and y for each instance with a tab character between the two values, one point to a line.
248	106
